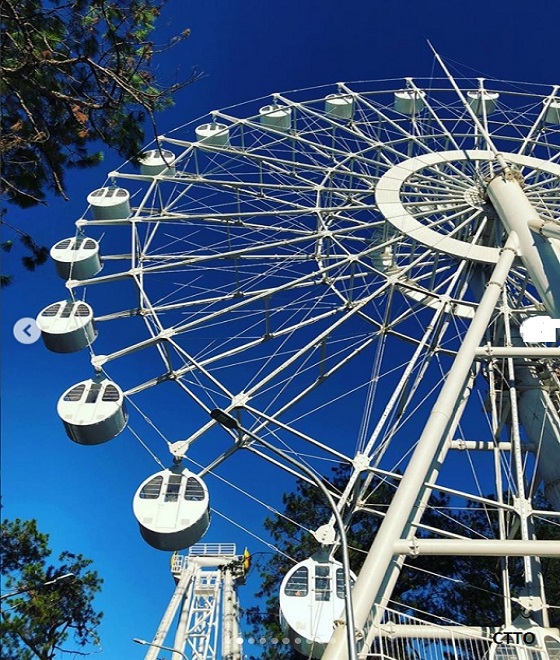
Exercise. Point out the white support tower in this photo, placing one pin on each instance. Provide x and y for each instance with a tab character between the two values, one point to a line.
205	599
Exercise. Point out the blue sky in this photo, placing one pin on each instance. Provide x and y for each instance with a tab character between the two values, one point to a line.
82	496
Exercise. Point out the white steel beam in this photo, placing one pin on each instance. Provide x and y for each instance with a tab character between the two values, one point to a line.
428	449
477	547
517	351
230	646
419	631
484	445
546	228
167	619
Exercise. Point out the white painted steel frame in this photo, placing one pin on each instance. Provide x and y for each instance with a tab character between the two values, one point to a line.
307	198
422	465
204	605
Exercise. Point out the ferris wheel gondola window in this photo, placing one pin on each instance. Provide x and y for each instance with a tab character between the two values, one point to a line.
340	582
173	488
93	393
75	394
111	393
152	490
298	583
194	490
50	311
552	646
67	310
322	582
82	310
506	653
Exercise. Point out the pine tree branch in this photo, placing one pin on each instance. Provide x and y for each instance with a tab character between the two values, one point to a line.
32	647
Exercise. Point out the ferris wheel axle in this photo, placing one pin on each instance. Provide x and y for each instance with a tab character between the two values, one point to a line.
537	252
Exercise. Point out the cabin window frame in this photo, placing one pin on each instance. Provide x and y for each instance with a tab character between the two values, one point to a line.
194	490
173	488
297	585
148	490
322	582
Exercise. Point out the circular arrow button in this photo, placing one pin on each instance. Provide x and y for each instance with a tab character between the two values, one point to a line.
26	331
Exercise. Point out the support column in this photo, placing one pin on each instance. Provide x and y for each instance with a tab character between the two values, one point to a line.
518	215
422	463
230	631
178	595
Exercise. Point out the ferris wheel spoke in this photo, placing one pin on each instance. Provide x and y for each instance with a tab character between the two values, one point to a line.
274	420
434	115
254	188
481	131
372	448
550	180
358	158
311	345
533	173
176	261
306	278
294	138
428	191
466	222
433	175
530	138
215	356
386	120
457	177
159	307
325	374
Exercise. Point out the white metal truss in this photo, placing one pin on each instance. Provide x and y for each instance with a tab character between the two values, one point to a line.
205	599
199	621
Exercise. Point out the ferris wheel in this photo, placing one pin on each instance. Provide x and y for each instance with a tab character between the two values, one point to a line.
340	274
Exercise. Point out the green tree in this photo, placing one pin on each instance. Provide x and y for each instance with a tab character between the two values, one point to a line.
40	620
463	589
75	74
36	255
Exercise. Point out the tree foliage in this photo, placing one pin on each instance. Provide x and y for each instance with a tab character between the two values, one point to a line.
463	589
40	620
36	255
74	72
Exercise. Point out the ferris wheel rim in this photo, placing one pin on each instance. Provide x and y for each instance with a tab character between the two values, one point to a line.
388	197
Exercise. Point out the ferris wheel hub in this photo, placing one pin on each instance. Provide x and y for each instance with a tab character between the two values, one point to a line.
441	184
475	197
